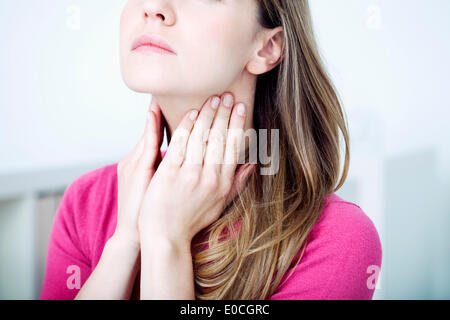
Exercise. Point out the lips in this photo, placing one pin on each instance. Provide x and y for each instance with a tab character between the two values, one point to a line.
151	40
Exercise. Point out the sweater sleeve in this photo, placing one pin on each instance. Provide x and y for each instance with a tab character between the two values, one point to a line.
341	262
68	266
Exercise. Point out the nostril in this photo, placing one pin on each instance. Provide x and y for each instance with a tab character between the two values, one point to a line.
159	15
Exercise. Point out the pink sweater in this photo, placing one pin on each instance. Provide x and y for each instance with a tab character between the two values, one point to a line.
342	259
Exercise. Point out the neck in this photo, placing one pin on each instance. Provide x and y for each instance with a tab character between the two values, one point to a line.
174	107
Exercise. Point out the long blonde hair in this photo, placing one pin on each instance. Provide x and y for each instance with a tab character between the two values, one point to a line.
277	212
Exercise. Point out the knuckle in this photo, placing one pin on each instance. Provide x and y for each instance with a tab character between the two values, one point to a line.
151	143
140	162
192	177
170	175
217	137
123	166
180	136
211	181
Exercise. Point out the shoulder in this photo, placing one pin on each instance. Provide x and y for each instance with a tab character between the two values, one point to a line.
343	251
96	180
346	224
88	206
93	193
77	236
344	228
349	244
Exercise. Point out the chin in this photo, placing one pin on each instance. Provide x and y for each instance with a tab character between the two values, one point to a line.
137	87
141	82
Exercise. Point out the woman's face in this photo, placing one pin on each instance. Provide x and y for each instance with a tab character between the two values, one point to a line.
213	41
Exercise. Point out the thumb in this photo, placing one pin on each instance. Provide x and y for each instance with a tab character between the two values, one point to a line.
150	148
156	108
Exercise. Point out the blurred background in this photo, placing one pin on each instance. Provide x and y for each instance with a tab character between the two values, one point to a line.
64	110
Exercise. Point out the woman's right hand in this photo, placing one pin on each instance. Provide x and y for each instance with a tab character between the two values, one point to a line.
134	173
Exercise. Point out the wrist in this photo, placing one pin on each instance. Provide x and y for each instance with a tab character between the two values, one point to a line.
122	254
160	243
123	241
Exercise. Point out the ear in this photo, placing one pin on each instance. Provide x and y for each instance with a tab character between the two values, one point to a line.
268	51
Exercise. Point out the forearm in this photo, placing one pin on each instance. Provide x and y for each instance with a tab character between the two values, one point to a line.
166	270
114	276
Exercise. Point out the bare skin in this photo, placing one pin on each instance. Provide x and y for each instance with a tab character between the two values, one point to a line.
227	62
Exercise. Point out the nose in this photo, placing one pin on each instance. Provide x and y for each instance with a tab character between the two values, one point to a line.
155	9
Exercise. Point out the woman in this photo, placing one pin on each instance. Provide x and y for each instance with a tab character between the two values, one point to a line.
152	226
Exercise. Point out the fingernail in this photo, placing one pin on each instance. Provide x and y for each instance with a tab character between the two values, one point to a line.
228	100
215	102
241	109
193	115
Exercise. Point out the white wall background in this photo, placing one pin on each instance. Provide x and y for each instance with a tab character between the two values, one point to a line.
62	98
63	103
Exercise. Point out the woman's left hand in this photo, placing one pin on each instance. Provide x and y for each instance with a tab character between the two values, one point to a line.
197	177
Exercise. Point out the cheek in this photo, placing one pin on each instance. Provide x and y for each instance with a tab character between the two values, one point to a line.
126	30
227	45
222	40
214	69
218	33
127	21
218	53
212	56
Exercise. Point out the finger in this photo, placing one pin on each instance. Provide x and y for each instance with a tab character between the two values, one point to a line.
176	150
197	140
150	147
215	148
136	153
234	144
156	108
